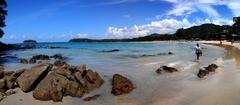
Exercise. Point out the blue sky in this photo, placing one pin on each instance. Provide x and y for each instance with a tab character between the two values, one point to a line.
61	20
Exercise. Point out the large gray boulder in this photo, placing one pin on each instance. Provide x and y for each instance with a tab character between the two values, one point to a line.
29	79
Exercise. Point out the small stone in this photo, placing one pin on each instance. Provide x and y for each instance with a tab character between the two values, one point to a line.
10	92
158	71
91	97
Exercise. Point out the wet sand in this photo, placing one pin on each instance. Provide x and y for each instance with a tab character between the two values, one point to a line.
182	88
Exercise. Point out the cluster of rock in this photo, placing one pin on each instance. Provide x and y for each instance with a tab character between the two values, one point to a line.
167	69
8	82
210	68
51	82
35	58
202	72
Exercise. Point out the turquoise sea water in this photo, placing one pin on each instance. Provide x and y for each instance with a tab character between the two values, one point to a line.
130	54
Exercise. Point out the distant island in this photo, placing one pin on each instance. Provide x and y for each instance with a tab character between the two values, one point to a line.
202	32
29	41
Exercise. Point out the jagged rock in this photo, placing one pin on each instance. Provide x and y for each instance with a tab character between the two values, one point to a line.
59	63
74	89
41	57
54	86
93	79
2	85
29	79
57	56
170	53
82	67
169	69
2	96
32	60
66	80
24	61
211	68
11	77
64	72
158	71
80	79
121	85
51	87
202	73
91	98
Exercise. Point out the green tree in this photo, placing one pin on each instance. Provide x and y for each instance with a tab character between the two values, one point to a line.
236	25
3	13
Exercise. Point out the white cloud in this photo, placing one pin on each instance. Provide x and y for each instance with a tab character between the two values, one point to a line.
80	35
162	27
183	7
166	26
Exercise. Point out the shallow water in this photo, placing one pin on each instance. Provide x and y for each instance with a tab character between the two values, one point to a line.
181	88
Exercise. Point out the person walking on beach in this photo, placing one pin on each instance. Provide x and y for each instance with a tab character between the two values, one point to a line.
198	51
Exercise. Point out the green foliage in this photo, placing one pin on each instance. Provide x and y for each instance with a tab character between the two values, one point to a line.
236	25
204	32
3	13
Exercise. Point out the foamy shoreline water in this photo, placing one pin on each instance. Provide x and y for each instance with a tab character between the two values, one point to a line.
183	88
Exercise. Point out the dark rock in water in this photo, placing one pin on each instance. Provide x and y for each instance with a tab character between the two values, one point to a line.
146	55
59	63
113	50
169	69
41	57
1	74
57	56
29	79
32	61
121	85
66	80
211	68
91	97
159	70
202	73
24	61
170	53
